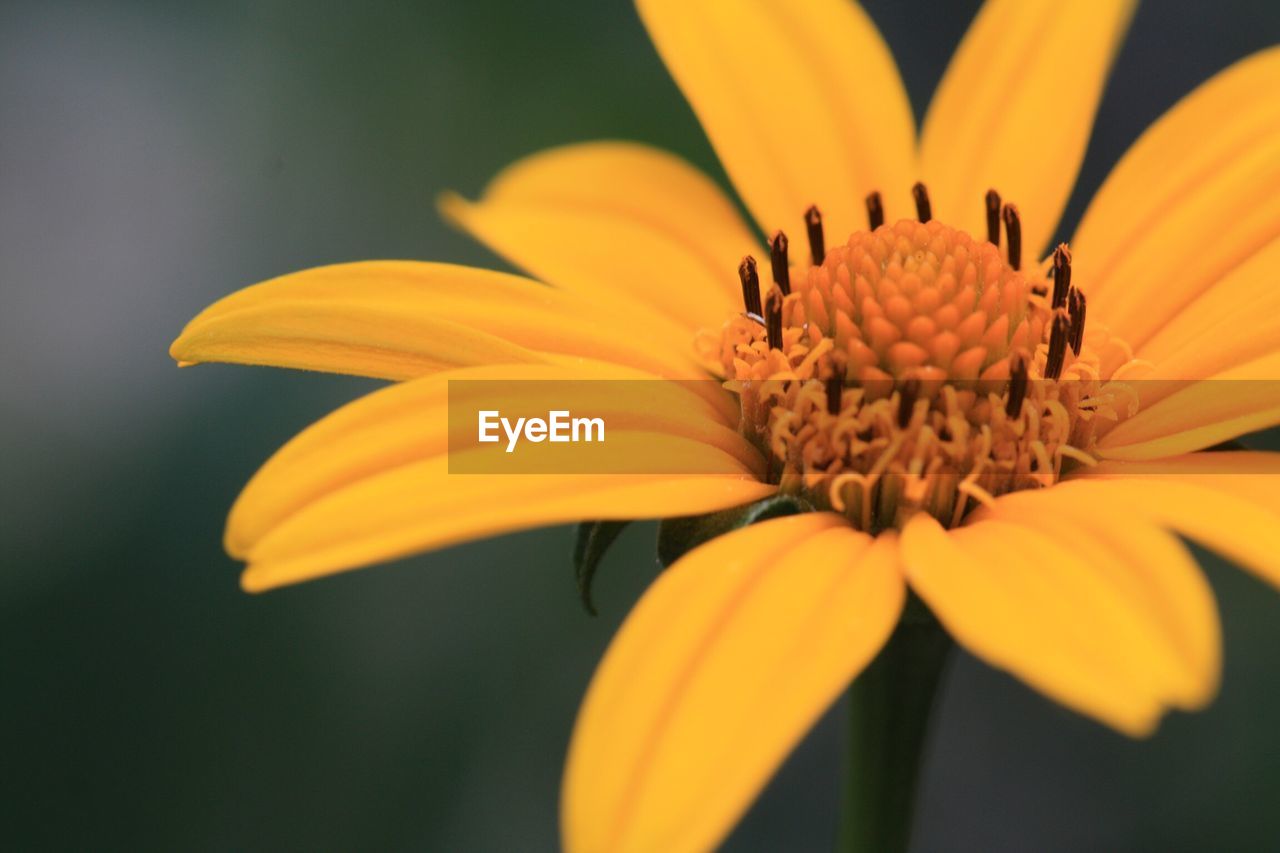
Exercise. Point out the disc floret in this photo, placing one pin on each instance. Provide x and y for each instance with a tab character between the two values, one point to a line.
915	368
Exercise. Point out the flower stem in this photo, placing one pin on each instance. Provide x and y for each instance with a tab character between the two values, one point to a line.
889	709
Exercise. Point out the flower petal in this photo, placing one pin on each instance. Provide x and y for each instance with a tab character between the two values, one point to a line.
1150	577
1237	517
1195	197
1249	475
399	319
1232	322
617	218
407	423
1015	109
421	506
726	662
802	102
1026	604
1199	414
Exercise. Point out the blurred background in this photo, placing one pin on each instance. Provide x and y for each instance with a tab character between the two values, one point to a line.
155	156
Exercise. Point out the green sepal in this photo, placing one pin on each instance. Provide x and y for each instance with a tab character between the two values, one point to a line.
594	539
678	536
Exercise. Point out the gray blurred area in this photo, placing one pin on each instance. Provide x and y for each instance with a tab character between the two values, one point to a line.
155	156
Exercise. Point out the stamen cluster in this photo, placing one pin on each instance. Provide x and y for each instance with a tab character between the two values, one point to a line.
914	368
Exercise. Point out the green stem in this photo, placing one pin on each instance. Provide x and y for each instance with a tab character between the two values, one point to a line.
890	705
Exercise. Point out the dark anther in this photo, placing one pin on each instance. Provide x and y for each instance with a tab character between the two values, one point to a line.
875	211
1057	345
773	318
1013	227
813	224
993	217
907	401
1075	307
1017	385
1061	275
778	259
839	366
750	285
924	211
835	389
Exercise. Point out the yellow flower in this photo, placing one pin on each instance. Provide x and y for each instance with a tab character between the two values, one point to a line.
990	508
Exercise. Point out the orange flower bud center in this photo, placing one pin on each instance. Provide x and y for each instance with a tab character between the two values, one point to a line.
915	369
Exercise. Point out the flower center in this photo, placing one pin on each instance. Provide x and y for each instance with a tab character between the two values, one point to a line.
916	368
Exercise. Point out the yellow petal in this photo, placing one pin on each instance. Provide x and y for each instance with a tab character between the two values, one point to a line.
802	102
399	319
1024	603
1015	108
1152	579
1195	197
730	657
1252	476
1234	518
421	506
406	423
621	219
1234	321
1199	414
1248	473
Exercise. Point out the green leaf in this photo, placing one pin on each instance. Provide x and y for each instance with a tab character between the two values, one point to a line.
678	536
594	539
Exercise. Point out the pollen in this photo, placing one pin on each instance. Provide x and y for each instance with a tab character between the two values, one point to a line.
914	368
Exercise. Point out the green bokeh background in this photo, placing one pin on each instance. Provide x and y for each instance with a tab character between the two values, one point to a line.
155	156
